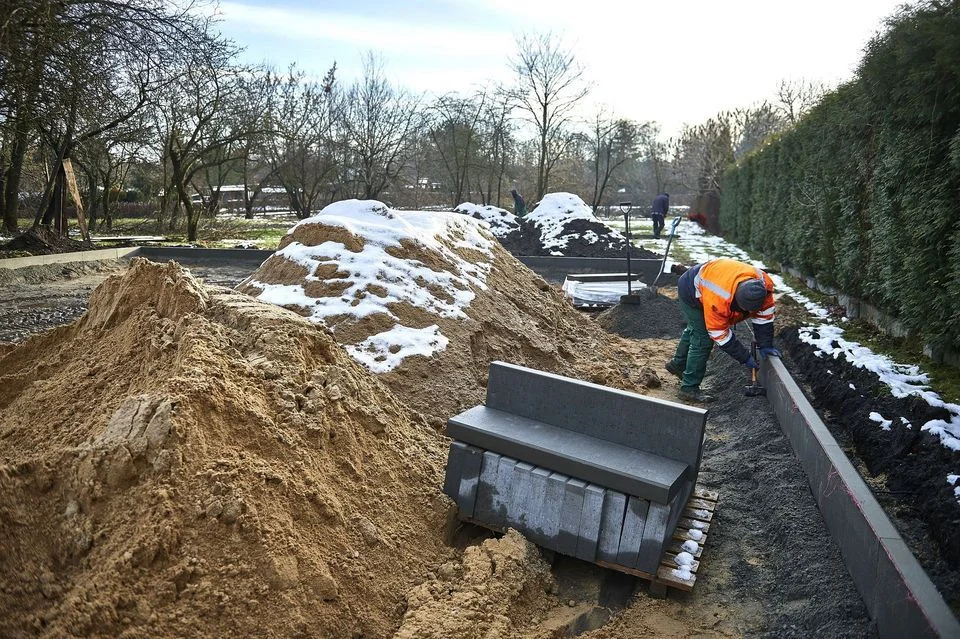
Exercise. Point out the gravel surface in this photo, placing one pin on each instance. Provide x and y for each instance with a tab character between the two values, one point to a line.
38	298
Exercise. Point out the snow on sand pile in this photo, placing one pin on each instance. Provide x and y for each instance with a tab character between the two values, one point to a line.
428	299
187	461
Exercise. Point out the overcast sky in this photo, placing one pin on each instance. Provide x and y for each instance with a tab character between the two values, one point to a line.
675	62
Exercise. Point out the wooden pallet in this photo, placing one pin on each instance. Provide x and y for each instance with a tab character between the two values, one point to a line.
697	515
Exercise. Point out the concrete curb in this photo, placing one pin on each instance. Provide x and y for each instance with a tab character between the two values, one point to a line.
899	595
62	258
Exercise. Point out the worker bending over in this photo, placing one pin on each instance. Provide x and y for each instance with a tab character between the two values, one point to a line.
714	297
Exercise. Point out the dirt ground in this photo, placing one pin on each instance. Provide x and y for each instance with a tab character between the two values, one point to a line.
769	569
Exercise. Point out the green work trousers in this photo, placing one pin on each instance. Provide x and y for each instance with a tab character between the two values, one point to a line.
694	348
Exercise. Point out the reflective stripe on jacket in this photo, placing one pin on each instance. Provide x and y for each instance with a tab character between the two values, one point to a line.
715	284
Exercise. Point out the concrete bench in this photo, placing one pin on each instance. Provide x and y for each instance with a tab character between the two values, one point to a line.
582	469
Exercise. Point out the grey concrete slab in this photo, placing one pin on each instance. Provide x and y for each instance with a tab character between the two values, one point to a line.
176	253
898	593
656	426
631	536
602	277
614	465
570	512
469	480
555	269
484	510
906	598
451	479
66	258
537	522
590	520
654	537
522	498
552	509
503	485
611	525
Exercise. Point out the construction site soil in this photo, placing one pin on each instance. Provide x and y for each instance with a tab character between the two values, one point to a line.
906	468
184	460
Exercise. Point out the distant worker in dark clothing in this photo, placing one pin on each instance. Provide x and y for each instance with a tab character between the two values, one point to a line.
714	297
661	204
519	206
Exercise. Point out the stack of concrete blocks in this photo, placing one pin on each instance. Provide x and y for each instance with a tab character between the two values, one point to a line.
581	469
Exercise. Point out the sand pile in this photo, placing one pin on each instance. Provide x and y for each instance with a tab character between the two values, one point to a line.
428	300
489	594
187	461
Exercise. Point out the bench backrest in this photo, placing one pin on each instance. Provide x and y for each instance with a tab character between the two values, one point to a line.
668	429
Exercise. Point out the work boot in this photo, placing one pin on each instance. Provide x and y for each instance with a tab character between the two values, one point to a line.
674	369
695	395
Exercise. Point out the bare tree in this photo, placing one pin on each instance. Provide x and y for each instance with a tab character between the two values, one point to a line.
209	115
550	83
304	149
381	123
702	152
613	143
454	134
72	71
796	97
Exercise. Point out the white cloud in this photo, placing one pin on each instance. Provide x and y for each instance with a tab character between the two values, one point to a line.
672	62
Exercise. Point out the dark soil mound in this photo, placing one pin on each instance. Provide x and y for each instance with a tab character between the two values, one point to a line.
913	463
588	238
522	241
657	316
43	242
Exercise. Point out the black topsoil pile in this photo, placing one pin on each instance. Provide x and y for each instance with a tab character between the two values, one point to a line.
769	534
43	242
525	241
657	316
906	467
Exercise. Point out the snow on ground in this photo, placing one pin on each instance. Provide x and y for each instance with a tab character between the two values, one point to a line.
903	379
395	278
552	214
501	221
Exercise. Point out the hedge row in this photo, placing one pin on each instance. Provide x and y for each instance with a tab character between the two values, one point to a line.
864	193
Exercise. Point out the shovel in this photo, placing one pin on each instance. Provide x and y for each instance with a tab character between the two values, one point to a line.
666	252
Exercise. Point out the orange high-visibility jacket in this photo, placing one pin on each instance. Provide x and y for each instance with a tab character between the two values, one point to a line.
715	285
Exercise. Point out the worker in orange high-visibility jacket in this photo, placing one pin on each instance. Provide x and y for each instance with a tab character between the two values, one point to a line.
714	297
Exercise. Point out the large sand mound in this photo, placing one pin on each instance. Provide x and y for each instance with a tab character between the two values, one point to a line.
187	461
428	300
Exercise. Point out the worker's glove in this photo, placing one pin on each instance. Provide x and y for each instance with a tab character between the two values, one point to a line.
768	351
751	363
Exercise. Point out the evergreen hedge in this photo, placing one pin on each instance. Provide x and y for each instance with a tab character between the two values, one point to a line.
864	193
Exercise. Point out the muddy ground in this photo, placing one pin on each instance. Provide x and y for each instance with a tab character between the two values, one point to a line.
770	567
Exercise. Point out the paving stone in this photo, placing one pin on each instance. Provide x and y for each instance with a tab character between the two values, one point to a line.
611	525
590	519
570	512
632	534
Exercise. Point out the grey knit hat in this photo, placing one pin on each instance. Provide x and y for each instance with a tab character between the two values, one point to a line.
750	295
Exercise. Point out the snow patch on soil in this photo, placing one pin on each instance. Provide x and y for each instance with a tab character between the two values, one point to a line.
903	380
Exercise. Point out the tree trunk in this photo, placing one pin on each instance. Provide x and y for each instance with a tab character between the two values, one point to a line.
11	187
